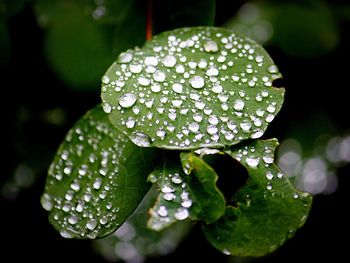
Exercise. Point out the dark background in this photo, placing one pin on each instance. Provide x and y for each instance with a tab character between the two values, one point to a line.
315	86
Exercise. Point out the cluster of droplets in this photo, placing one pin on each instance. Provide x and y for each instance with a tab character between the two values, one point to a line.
90	172
173	203
187	90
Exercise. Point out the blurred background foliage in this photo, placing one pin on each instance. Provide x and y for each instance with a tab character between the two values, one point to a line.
53	54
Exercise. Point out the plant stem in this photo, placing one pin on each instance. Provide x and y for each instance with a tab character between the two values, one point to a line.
149	23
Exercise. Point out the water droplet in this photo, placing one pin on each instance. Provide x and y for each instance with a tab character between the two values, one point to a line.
65	234
193	127
211	129
169	61
271	109
80	207
295	196
91	224
130	123
97	183
269	176
197	82
202	63
217	89
252	161
162	211
125	57
159	76
151	61
269	118
269	187
75	186
127	100
167	189
245	126
46	202
176	179
197	117
212	71
186	203
105	79
199	105
135	68
213	120
211	46
143	81
181	214
238	105
177	87
279	175
155	88
103	220
106	108
72	220
268	159
180	69
169	196
226	252
140	139
161	133
272	69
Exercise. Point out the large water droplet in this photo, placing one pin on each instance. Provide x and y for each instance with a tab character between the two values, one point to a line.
127	100
211	46
140	139
212	129
197	82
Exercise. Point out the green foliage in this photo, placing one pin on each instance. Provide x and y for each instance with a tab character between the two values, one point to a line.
185	94
95	180
202	87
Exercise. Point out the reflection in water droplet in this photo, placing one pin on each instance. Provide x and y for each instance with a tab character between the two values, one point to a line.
197	82
127	100
140	139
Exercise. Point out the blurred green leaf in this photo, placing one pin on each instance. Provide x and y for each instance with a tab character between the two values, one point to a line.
9	8
5	44
134	241
96	180
268	208
191	88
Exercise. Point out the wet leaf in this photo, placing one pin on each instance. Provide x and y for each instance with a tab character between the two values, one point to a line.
209	201
192	88
268	208
174	199
134	242
96	180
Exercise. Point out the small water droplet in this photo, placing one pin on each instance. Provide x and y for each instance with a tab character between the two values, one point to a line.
75	186
272	69
105	79
245	126
106	108
217	89
169	196
140	139
125	57
197	117
197	82
226	252
169	61
212	71
180	69
269	118
238	105
103	220
213	119
91	224
135	68
155	88
295	196
130	123
269	176
252	161
72	220
181	214
271	109
211	46
159	76
162	211
177	87
186	203
97	183
151	61
143	81
161	133
269	187
176	179
46	202
167	189
127	100
212	129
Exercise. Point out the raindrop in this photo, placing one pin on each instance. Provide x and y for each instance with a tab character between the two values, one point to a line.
91	224
75	186
46	202
135	68
169	61
143	81
252	161
181	214
105	79
158	76
169	196
72	220
271	109
295	196
197	82
155	88
104	220
213	120
246	125
151	61
167	189
197	117
193	127
177	88
238	105
140	139
217	89
211	46
186	203
269	187
180	69
162	211
212	71
125	57
176	179
106	108
212	129
269	118
272	69
161	133
127	100
130	123
97	183
269	176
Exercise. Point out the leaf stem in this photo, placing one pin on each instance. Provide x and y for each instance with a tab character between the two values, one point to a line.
149	23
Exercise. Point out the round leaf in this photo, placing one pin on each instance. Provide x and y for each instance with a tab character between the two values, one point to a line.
192	88
97	179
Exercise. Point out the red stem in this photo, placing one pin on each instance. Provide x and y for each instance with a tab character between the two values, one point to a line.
149	20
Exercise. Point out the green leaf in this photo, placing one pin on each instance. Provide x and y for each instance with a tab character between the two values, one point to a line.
96	180
174	200
192	88
172	14
134	242
210	202
268	208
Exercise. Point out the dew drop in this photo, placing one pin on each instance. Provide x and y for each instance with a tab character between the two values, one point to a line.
295	196
180	69
186	203
269	187
169	61
269	176
272	69
181	214
217	89
151	61
212	72
213	120
125	57
91	224
176	179
46	202
252	161
159	76
161	133
127	100
197	82
140	139
169	196
135	68
130	123
143	81
211	46
75	186
245	126
212	129
106	108
155	88
97	183
162	211
105	79
271	109
72	220
103	220
177	87
197	117
238	105
193	127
